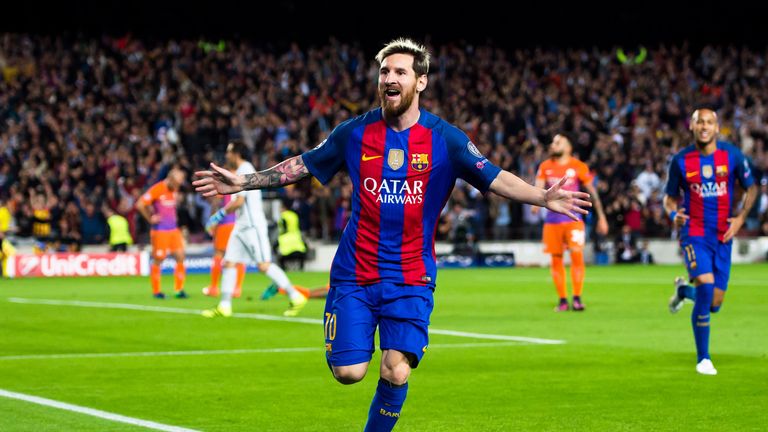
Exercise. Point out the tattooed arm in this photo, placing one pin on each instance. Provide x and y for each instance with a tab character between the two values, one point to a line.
286	172
221	181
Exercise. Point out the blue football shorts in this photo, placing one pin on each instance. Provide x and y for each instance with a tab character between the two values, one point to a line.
702	257
353	312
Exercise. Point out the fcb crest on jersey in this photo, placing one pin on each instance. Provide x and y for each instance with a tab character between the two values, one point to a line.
420	161
706	171
721	170
395	158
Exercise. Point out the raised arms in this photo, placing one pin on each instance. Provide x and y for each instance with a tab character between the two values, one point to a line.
556	199
286	172
221	181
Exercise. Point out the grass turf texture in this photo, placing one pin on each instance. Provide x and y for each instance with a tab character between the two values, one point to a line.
627	364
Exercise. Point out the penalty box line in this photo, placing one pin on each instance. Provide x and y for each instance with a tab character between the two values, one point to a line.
92	412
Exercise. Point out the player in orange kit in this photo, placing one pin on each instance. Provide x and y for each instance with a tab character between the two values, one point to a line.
561	232
158	207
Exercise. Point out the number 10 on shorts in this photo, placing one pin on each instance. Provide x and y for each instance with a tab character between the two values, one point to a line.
330	326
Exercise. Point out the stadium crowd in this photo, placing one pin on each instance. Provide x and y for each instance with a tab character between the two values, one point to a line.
86	125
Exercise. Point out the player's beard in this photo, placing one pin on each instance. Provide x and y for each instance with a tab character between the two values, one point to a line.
701	143
406	98
556	155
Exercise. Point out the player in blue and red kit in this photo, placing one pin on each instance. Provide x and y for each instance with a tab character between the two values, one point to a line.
706	172
403	162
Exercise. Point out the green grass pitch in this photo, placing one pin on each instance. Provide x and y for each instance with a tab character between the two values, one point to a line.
627	364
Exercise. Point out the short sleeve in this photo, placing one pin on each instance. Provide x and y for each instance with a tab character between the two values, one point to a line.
585	177
152	194
325	160
673	179
468	162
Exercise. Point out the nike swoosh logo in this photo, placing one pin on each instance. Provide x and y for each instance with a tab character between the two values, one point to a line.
691	174
367	158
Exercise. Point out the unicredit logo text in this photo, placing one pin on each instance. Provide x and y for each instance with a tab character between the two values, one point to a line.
82	264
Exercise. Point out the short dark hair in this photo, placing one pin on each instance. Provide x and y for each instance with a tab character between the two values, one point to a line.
570	136
239	148
407	46
705	106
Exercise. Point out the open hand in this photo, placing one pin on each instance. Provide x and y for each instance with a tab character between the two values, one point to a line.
566	202
680	218
217	181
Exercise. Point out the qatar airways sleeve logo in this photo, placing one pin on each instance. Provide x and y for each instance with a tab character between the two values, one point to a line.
710	189
395	191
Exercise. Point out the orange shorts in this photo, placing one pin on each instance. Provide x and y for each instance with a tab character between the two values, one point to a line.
221	236
561	236
164	242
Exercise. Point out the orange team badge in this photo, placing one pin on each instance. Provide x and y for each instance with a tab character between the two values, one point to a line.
420	161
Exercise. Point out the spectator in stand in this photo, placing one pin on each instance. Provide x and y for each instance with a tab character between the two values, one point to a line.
92	224
78	114
626	246
648	181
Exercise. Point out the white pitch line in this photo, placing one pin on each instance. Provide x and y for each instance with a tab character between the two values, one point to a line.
619	281
229	352
158	353
269	318
496	337
144	308
92	412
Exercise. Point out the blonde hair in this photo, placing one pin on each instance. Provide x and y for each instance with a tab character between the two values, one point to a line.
695	114
407	46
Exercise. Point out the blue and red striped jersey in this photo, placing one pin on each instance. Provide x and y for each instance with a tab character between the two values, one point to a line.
401	181
707	183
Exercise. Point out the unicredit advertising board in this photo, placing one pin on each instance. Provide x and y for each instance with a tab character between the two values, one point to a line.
78	264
